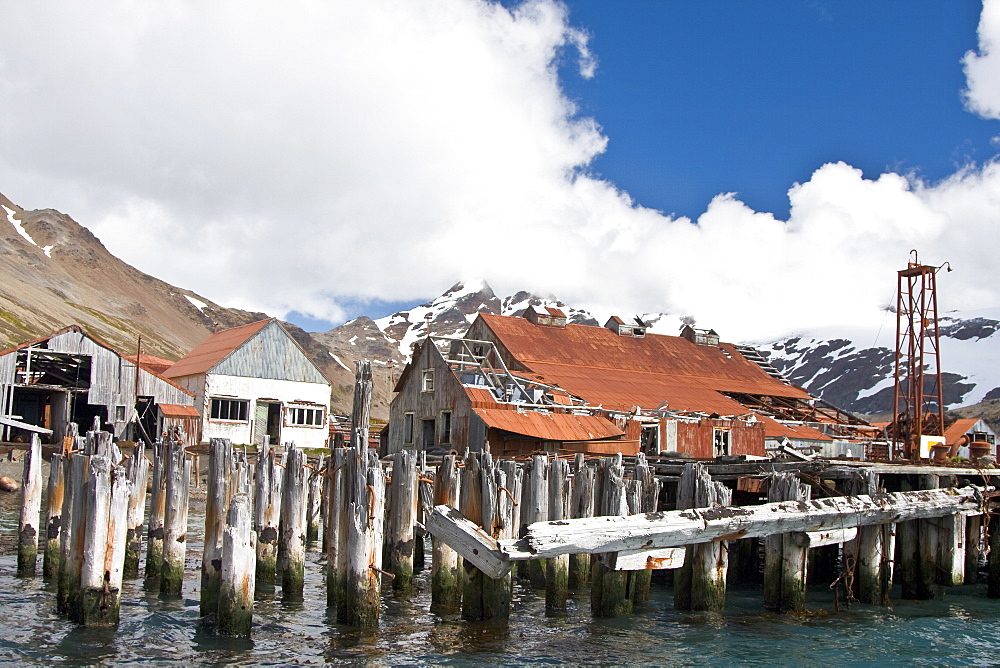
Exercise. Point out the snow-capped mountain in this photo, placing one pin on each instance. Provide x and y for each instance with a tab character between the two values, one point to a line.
853	368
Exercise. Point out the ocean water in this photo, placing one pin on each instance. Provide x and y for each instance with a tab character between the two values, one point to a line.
962	628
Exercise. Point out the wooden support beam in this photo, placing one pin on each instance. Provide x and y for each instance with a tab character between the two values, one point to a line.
811	539
688	527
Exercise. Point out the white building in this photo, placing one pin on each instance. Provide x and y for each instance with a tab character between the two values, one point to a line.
255	381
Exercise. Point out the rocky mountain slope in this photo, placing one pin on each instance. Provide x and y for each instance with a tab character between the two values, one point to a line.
54	272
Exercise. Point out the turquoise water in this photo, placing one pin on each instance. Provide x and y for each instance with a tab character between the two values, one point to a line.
960	629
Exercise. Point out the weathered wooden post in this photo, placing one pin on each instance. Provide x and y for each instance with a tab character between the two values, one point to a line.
973	547
471	505
333	533
581	505
446	589
267	513
101	569
700	584
220	467
157	507
784	558
175	516
871	551
402	517
928	538
503	490
292	527
71	541
360	557
239	565
425	502
535	509
137	471
31	506
645	489
314	503
993	588
610	593
53	517
557	568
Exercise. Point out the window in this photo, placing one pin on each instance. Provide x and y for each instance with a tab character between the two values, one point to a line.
408	428
427	381
235	410
119	413
304	416
445	426
721	439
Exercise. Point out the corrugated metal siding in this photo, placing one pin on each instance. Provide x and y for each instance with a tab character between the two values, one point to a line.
697	438
271	353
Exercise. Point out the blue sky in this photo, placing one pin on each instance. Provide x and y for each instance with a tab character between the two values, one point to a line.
317	161
702	98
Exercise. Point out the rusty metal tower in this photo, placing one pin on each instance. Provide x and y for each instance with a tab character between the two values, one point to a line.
918	400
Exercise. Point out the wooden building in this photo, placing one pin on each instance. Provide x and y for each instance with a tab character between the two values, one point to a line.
71	376
253	382
537	383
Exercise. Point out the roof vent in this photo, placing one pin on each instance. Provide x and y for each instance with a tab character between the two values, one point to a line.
621	328
546	316
701	337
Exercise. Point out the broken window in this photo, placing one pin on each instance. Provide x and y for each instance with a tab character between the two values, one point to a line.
234	410
445	426
427	381
721	440
408	428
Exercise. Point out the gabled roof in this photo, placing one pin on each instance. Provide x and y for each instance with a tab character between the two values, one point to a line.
214	349
151	362
619	373
958	429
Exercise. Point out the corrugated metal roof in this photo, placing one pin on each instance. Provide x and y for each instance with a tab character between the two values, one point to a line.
550	426
176	411
151	363
214	349
620	372
775	429
958	429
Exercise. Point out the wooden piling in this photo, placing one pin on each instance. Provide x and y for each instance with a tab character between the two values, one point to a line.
700	584
239	566
137	471
53	517
175	516
31	506
471	505
535	509
267	513
973	547
610	593
425	502
871	553
314	502
76	469
103	544
360	555
334	522
581	505
157	507
785	559
402	517
645	490
292	526
446	589
929	534
220	467
557	568
993	588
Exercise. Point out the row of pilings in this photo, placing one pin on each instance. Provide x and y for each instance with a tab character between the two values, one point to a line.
370	516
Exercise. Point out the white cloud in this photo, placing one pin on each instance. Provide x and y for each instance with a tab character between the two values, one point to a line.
982	70
286	156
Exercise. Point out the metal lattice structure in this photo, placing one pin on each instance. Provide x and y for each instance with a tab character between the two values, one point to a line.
917	398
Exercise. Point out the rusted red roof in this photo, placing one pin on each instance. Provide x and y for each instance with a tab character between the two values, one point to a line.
550	426
620	372
151	363
958	429
214	349
775	429
177	411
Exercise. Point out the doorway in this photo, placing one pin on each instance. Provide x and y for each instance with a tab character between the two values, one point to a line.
427	431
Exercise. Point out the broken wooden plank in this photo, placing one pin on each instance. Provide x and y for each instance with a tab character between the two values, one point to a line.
810	539
645	560
469	540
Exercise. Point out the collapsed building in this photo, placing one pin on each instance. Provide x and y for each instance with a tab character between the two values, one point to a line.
537	383
71	376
